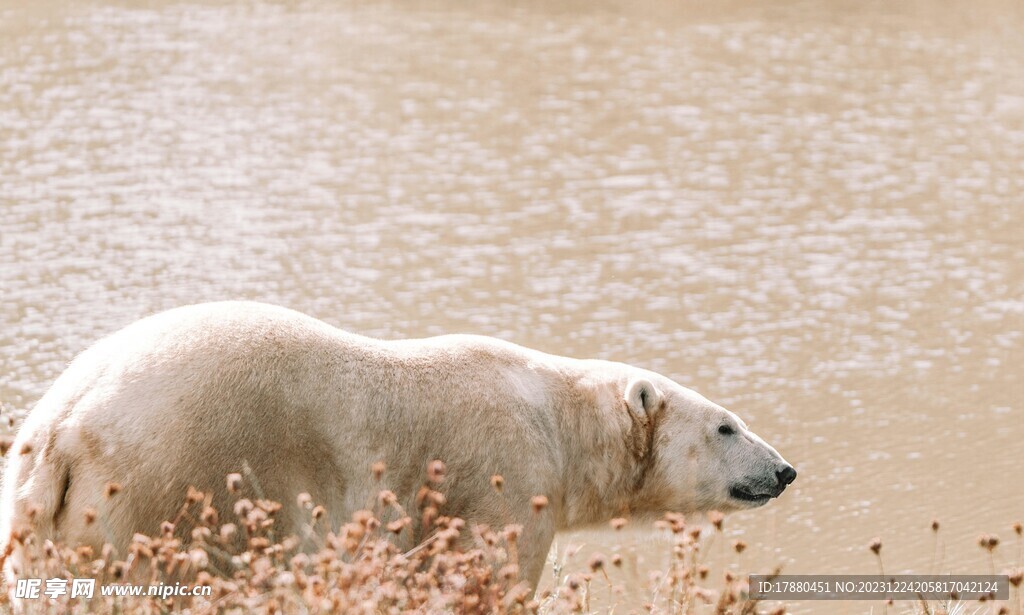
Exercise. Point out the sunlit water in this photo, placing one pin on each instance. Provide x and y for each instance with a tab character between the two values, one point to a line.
810	214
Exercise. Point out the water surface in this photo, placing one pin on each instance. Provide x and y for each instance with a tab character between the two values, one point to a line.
810	213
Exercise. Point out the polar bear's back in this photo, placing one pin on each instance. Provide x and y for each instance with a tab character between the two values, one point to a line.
187	396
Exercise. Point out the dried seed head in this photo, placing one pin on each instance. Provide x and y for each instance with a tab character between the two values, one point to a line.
875	546
200	533
702	572
988	542
618	523
1016	576
227	531
234	482
5	445
397	526
378	470
539	503
935	525
739	546
616	560
111	489
362	517
387	498
596	562
304	500
194	496
243	507
209	515
167	529
716	519
422	495
436	471
1018	529
675	521
26	448
299	561
497	482
512	532
269	506
90	515
199	558
319	512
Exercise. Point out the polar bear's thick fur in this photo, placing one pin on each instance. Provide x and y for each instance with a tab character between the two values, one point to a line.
185	397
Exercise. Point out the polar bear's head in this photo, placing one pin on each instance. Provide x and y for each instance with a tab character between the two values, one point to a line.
701	457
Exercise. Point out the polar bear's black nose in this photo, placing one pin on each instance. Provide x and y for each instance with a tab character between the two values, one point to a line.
786	475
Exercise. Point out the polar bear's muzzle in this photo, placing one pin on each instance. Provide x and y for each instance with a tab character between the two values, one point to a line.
758	492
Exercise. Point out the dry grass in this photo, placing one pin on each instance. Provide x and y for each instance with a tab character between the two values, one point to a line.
354	568
357	569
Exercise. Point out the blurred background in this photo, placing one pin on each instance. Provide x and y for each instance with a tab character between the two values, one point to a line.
810	212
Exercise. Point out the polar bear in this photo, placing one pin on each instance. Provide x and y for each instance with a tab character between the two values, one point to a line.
188	396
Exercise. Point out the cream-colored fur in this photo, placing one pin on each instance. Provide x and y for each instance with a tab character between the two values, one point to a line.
185	397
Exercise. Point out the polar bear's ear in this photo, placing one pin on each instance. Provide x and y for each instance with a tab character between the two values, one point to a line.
642	397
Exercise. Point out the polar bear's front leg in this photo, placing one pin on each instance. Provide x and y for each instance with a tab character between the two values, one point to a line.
533	548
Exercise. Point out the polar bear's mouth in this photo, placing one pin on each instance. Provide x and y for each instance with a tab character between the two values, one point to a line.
745	495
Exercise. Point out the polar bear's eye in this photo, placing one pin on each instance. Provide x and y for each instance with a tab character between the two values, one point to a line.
726	430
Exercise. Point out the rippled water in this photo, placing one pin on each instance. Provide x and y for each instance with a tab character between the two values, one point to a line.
810	214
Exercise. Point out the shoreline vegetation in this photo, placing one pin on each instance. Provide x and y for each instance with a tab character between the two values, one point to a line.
456	568
356	569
